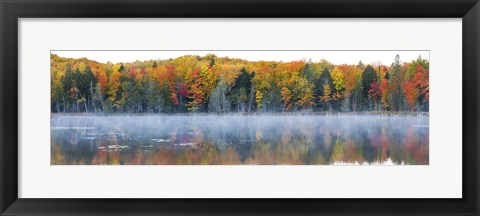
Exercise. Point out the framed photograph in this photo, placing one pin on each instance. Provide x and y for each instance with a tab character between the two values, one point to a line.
242	108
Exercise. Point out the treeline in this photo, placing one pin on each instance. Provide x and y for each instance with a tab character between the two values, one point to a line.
222	85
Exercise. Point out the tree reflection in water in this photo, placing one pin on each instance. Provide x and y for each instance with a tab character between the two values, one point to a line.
239	139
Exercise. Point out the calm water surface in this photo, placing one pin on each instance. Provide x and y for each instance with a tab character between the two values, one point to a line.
219	140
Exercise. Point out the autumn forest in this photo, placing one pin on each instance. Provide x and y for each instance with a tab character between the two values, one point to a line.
221	85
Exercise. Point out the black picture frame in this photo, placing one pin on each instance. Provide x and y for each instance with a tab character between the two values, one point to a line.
12	10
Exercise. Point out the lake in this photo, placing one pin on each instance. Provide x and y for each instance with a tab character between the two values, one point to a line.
240	140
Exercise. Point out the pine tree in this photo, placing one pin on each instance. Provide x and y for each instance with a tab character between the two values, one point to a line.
368	77
395	80
212	61
308	71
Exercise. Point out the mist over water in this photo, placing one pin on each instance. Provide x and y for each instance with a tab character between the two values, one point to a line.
239	139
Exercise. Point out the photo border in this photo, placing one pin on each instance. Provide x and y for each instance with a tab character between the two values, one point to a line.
11	11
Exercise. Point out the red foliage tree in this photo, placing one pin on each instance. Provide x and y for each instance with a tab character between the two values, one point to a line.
411	92
375	91
421	78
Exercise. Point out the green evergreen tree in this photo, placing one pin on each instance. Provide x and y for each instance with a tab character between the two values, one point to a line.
368	77
395	79
309	72
239	94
